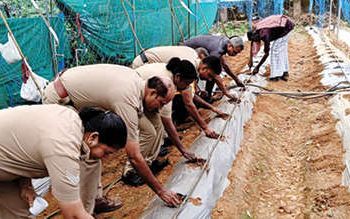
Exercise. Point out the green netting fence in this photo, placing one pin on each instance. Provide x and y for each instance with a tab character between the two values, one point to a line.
34	40
107	31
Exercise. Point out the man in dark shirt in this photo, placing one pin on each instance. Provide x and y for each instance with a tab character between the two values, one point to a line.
273	28
218	46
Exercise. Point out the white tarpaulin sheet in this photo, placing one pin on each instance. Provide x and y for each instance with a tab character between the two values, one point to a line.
336	69
214	181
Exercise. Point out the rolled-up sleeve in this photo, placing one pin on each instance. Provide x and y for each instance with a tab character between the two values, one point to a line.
131	119
64	172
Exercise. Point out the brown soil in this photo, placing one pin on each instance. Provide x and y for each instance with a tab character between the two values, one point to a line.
195	201
135	200
290	163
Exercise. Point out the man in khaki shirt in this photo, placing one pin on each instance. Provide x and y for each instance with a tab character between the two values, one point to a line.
121	90
50	140
163	54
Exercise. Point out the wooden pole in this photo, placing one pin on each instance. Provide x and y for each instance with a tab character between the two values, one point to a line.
196	19
134	25
20	51
188	20
172	25
296	8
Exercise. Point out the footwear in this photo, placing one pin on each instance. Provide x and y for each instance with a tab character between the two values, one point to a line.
105	204
167	142
157	165
274	79
163	151
285	76
131	178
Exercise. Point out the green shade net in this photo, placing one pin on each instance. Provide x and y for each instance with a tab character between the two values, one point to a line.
106	30
33	38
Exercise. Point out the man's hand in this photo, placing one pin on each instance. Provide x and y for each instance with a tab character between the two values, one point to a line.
223	115
210	133
250	63
170	198
189	156
27	194
203	94
255	71
234	100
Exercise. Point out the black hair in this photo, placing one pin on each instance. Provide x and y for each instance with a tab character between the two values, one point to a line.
253	36
157	84
213	63
110	126
183	67
250	35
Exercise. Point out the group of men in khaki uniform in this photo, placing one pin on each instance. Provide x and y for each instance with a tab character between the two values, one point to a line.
142	96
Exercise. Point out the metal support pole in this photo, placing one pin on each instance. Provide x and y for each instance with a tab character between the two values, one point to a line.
311	4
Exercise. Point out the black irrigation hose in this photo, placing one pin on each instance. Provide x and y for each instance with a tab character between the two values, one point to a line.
301	95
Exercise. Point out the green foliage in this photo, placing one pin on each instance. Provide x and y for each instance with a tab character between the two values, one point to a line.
24	8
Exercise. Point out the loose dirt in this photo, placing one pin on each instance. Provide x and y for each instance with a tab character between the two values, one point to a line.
291	159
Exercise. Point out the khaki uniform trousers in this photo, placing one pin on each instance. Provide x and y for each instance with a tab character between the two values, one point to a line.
13	207
11	204
151	138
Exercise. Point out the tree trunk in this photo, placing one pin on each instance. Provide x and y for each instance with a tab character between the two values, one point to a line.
223	15
305	5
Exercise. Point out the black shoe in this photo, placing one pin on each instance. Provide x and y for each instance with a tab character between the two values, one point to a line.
209	100
163	151
131	178
105	204
167	142
274	79
157	165
285	76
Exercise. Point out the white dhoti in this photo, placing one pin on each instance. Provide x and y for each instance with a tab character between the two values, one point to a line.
279	57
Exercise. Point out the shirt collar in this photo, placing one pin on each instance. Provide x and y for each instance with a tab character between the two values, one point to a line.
85	151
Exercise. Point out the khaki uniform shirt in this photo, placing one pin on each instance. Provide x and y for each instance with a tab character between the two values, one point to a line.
158	69
111	87
42	140
163	54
